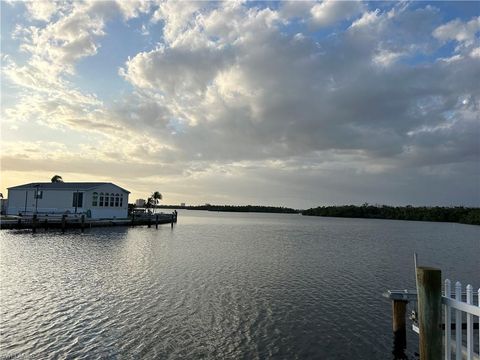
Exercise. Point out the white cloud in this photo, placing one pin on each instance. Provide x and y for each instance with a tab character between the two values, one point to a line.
42	10
458	30
230	92
368	18
475	53
386	58
329	12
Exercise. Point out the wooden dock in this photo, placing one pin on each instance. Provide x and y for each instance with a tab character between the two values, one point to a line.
436	313
63	222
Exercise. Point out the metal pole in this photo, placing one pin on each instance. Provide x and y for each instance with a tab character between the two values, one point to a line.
36	199
26	196
76	202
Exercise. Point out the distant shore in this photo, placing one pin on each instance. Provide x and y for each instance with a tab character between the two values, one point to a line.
458	214
234	208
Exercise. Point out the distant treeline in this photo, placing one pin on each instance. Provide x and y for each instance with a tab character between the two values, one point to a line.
443	214
232	208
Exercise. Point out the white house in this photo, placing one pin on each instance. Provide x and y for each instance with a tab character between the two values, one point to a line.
140	203
97	200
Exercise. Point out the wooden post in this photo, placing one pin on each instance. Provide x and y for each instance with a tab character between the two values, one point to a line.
45	224
429	284
82	224
34	223
19	223
399	309
149	221
64	222
156	221
172	222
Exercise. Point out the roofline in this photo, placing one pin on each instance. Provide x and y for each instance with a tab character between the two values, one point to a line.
32	185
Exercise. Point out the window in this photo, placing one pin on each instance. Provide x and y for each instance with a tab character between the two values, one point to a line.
112	200
121	200
117	200
39	194
95	199
101	199
77	199
106	199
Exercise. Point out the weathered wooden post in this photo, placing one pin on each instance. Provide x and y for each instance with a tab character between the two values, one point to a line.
34	223
156	221
171	225
64	223
399	309
82	223
429	285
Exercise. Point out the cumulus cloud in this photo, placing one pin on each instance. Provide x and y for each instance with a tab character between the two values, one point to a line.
330	11
42	10
464	32
236	91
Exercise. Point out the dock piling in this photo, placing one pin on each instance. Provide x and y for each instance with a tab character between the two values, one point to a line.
34	223
429	284
399	309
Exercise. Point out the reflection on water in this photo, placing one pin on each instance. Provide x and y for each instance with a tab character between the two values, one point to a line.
220	285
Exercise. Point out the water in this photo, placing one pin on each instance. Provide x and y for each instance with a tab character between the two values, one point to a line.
220	285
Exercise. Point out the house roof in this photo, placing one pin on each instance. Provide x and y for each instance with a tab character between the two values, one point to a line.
64	186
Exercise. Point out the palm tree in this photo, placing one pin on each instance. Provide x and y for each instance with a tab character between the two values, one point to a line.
57	179
154	199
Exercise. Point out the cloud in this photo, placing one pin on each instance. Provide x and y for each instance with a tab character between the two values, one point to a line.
262	99
329	12
42	10
463	32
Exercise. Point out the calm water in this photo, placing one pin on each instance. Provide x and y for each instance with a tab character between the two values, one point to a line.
220	285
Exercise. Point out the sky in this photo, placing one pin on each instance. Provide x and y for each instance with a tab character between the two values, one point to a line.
296	104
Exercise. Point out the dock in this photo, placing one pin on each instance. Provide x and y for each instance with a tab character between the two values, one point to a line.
63	222
438	317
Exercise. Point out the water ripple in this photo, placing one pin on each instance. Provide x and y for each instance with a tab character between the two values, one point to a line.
222	286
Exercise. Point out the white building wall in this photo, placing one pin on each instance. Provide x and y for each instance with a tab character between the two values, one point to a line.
52	201
107	212
61	201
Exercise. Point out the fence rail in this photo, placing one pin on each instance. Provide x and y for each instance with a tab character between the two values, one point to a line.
459	304
459	307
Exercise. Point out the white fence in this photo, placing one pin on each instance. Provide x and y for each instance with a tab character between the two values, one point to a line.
460	307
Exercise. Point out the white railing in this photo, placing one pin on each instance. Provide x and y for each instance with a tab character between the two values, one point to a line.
471	310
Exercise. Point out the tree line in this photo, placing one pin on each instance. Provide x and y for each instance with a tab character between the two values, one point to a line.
234	208
458	214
